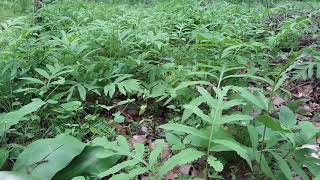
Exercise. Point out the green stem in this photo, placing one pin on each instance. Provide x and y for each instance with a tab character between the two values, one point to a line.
214	120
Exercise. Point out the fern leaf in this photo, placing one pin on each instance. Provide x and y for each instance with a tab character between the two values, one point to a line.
184	157
195	102
109	90
153	158
232	103
184	129
213	162
246	94
123	145
233	118
131	175
209	99
198	112
139	151
119	167
235	147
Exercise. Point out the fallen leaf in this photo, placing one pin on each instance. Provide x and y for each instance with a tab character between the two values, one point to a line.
138	139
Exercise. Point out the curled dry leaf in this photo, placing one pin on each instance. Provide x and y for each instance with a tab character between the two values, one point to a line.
277	101
138	139
304	91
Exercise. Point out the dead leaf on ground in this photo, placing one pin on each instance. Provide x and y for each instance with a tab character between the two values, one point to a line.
138	139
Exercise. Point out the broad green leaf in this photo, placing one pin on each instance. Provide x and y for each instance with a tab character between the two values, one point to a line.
242	152
82	92
287	118
298	169
71	106
184	129
92	160
122	89
270	123
42	73
109	90
155	153
213	162
264	166
45	157
11	175
12	118
250	97
33	80
183	157
118	117
4	154
254	136
283	165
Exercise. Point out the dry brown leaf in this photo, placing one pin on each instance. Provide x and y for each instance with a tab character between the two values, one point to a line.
304	91
277	101
171	175
138	139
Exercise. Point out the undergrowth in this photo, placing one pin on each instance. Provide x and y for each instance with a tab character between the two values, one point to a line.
143	89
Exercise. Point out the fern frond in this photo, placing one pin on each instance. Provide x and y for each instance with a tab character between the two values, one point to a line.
213	162
153	157
184	129
119	167
184	157
131	175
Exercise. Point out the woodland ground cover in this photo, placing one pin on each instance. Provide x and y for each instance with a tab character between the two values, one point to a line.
160	90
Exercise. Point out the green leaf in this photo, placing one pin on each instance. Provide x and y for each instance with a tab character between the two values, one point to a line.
118	167
207	97
198	112
12	118
287	118
45	157
283	165
242	152
297	169
33	80
92	160
131	175
184	157
254	136
79	178
270	123
265	168
109	90
71	106
260	102
10	175
213	162
118	117
191	83
142	109
42	73
184	129
82	92
233	118
155	153
4	154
